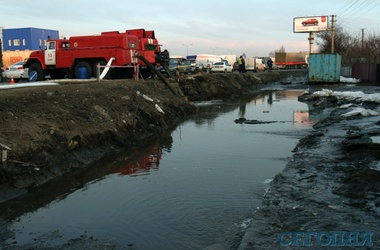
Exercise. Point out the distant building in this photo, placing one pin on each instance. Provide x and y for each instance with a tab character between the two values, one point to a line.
26	38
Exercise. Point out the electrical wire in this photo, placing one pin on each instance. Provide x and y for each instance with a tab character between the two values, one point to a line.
352	16
347	7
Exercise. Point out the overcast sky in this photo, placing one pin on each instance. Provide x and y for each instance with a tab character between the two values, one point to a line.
193	26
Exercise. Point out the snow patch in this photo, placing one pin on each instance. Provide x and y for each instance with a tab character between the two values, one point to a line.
361	111
357	96
352	80
244	225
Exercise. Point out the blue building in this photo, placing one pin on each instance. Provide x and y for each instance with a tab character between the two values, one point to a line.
26	38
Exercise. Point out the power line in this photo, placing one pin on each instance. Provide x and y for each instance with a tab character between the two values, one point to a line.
347	7
357	9
350	21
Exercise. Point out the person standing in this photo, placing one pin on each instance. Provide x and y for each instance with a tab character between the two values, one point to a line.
270	63
240	62
243	64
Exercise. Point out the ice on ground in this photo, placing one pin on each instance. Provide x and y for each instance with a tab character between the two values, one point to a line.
357	96
268	181
345	79
28	84
352	96
244	225
361	111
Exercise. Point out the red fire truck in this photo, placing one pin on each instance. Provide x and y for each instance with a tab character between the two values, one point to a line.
69	58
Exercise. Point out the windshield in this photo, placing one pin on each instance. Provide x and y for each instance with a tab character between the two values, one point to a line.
173	62
150	46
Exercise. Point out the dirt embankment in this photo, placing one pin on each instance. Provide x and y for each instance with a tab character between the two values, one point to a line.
50	130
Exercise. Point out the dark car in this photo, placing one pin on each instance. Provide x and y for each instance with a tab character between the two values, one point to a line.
235	66
182	65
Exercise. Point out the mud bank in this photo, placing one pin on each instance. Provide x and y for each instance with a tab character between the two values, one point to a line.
330	187
47	131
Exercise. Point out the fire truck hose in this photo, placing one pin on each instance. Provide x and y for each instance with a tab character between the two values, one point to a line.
162	78
107	68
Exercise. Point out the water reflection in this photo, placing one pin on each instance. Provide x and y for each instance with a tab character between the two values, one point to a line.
242	110
266	100
149	162
138	159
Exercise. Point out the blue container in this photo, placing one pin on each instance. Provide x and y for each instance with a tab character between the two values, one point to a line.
324	68
82	73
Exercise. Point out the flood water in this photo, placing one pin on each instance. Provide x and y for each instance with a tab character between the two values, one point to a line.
192	188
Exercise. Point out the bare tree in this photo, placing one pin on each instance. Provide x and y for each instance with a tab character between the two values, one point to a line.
282	49
350	47
371	48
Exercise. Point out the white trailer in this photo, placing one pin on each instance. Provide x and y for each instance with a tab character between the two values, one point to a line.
207	59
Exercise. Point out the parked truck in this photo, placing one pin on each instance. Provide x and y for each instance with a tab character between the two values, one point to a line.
71	57
291	60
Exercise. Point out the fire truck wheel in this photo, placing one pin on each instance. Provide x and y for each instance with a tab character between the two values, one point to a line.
83	64
36	73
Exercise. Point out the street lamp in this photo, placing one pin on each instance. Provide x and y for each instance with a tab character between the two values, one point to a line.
213	49
187	48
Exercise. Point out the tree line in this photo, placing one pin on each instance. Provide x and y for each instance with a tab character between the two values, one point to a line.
352	48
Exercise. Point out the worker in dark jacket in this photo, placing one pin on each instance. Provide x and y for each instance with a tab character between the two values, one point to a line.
243	63
270	63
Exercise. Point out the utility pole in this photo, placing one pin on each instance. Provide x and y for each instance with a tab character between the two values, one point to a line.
362	39
332	33
311	42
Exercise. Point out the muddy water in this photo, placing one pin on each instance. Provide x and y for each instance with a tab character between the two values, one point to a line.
194	188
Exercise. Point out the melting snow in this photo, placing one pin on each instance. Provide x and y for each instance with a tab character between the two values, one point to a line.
352	96
345	79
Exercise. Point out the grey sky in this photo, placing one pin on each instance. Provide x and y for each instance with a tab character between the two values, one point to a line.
223	27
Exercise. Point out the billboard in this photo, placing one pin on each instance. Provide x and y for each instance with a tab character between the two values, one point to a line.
310	24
